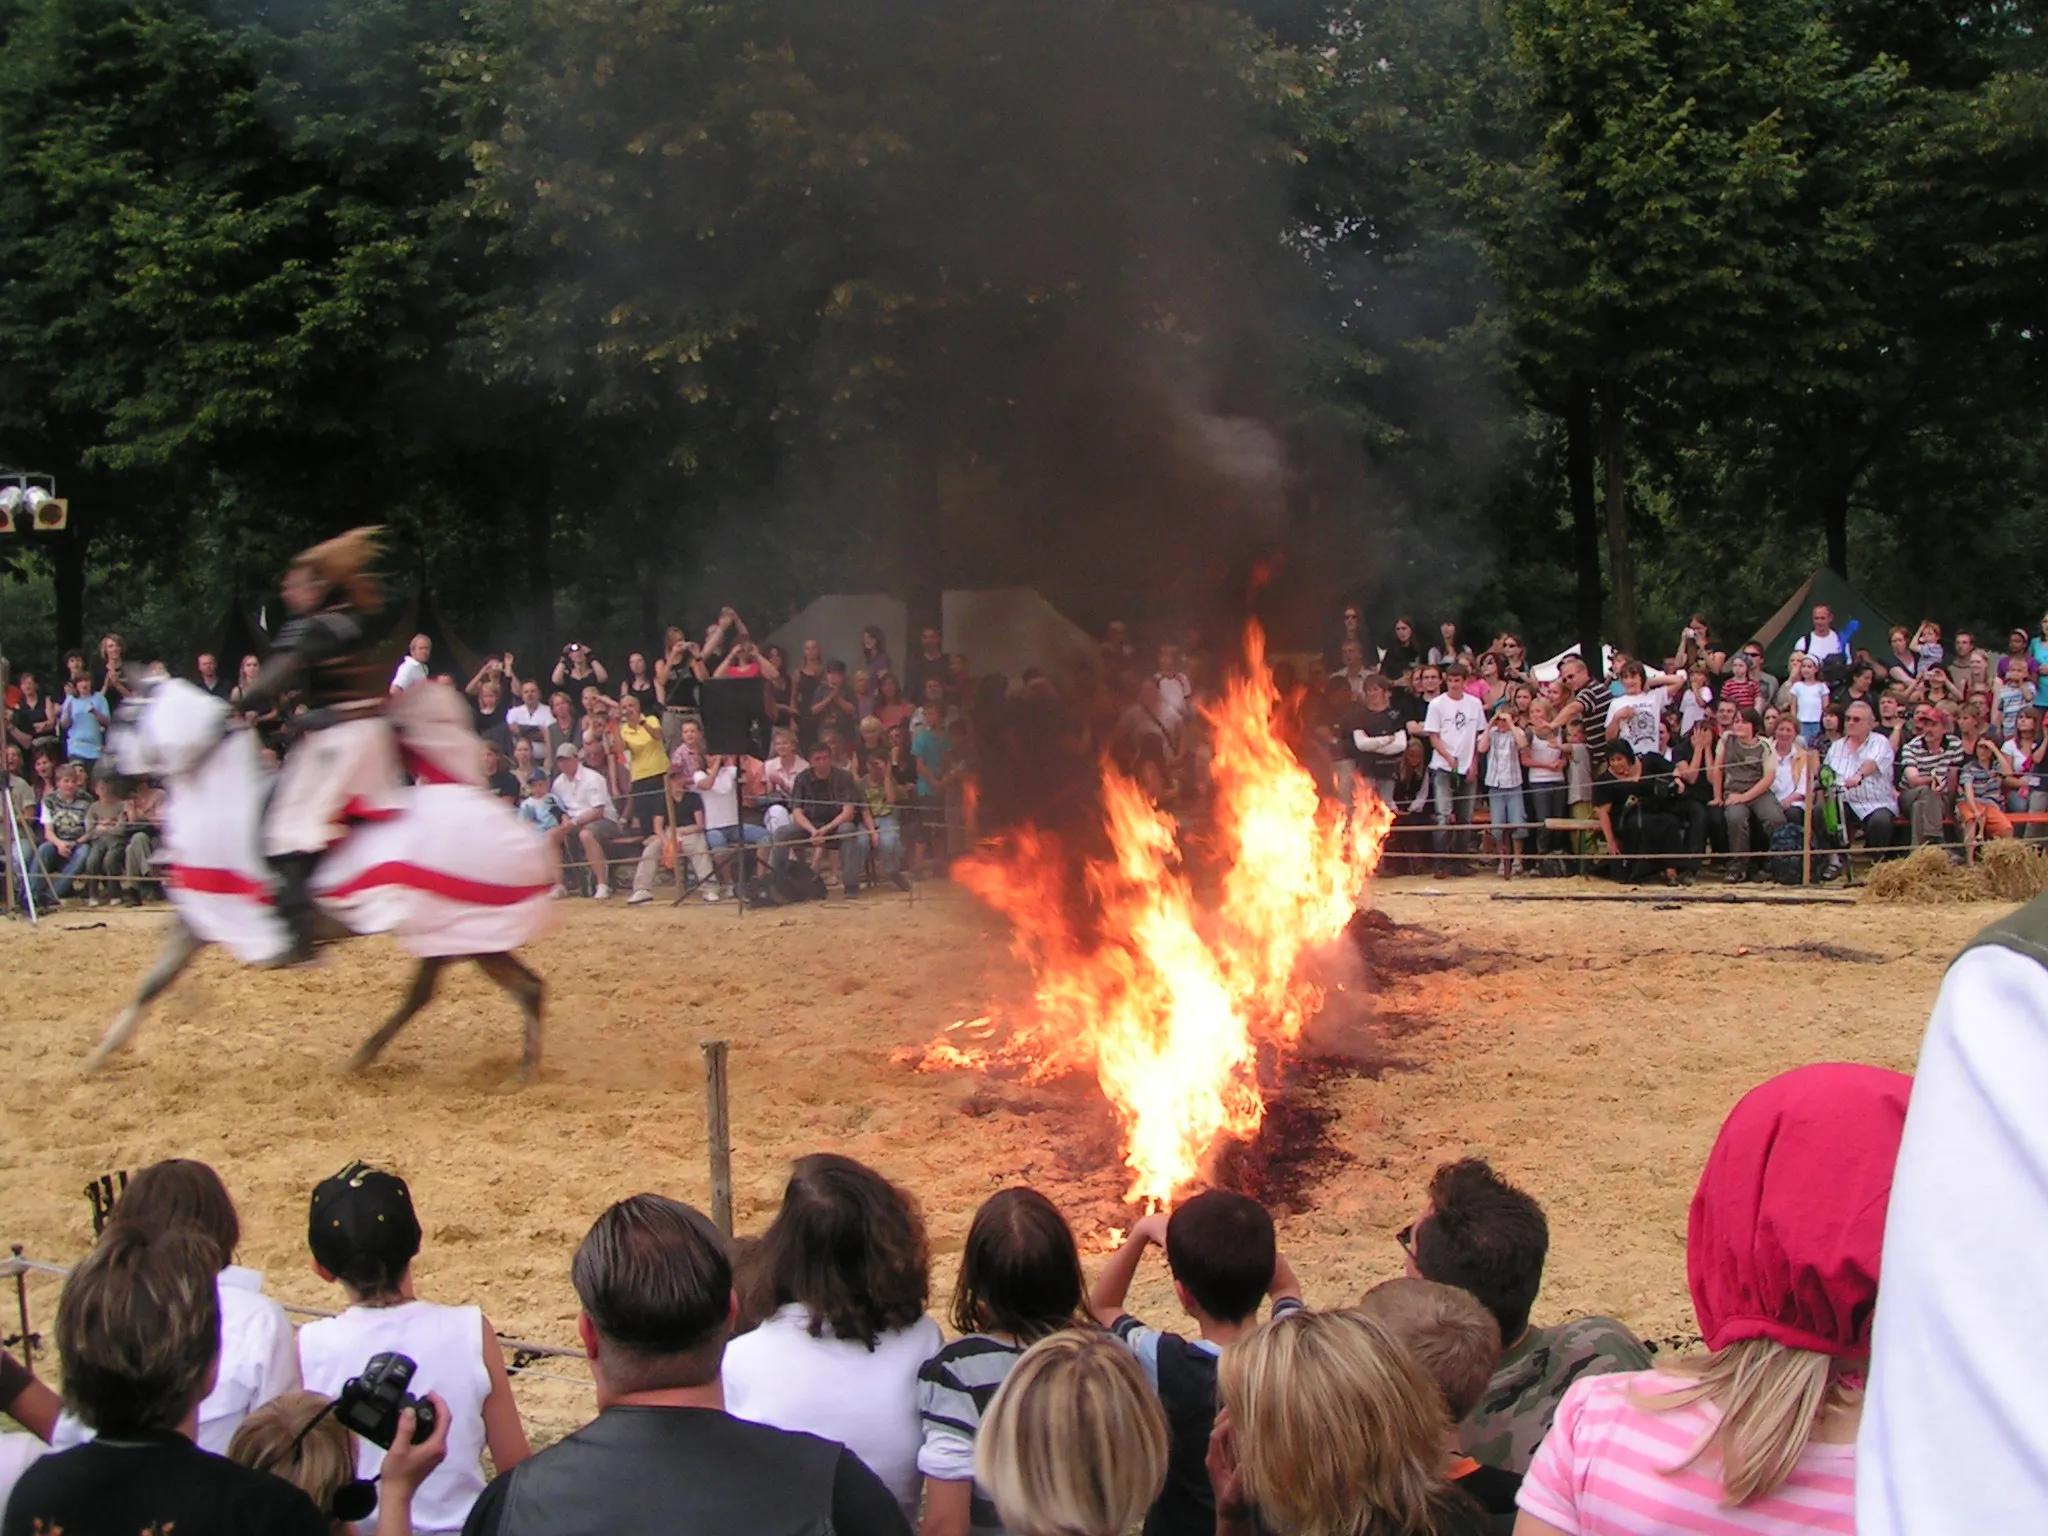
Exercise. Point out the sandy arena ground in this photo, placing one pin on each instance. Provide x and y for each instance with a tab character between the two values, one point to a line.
1589	1050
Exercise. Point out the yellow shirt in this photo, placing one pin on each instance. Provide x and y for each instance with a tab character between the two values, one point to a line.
644	750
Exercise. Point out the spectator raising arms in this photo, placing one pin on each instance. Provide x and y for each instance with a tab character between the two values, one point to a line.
662	1455
1782	1253
1074	1444
1020	1281
847	1273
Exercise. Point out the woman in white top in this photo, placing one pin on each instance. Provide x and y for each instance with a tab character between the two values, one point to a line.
847	1267
364	1234
258	1357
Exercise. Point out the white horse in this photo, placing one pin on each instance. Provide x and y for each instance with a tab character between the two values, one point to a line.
444	866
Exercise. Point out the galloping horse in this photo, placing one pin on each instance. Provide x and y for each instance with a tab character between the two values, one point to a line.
443	866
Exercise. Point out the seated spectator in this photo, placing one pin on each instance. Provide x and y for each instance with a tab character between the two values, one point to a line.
1481	1233
663	1455
499	779
1073	1443
1457	1343
1223	1257
2026	756
1928	767
1329	1425
529	719
848	1273
364	1236
828	810
1862	764
1745	769
259	1357
106	843
887	827
21	793
1020	1281
295	1437
138	1334
61	856
1782	1254
1980	808
588	815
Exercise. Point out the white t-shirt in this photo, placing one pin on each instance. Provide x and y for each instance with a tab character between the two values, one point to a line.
447	1344
1174	693
1821	647
1810	699
1634	718
720	794
582	789
1456	724
838	1389
1953	1438
1546	760
530	717
411	672
259	1360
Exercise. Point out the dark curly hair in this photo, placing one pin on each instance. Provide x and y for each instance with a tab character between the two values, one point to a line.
849	1247
1020	1273
1486	1236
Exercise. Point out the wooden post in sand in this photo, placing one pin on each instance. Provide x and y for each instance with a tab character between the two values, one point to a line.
1806	822
718	1134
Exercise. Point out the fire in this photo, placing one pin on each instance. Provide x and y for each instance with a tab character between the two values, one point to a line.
1165	998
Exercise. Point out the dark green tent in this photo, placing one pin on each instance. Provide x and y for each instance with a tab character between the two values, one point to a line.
1856	617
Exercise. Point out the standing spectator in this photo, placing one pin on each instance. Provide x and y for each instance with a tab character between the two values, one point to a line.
1398	661
1782	1253
138	1336
82	721
1505	743
1073	1444
576	669
874	655
1329	1425
61	855
2037	659
32	719
891	707
1742	688
1449	649
1584	705
638	684
1807	697
1351	671
1222	1254
1633	717
640	744
412	667
1176	689
1483	1234
1828	650
1020	1281
928	663
1378	738
664	1455
1452	723
1862	762
206	671
364	1235
1350	631
588	814
847	1269
113	684
1544	761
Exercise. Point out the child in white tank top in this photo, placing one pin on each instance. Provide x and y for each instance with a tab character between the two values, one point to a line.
364	1234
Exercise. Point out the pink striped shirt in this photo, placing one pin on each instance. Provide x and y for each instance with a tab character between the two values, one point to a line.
1603	1471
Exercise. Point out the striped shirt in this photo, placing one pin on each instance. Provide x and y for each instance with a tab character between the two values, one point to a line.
1874	792
1593	701
954	1389
1611	1468
1936	762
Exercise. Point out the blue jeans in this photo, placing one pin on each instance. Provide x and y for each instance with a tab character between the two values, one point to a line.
1450	794
1506	808
55	872
888	845
1809	732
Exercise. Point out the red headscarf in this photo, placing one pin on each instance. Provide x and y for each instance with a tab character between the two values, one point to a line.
1788	1220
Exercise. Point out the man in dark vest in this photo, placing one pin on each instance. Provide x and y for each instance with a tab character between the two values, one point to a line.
663	1455
1953	1437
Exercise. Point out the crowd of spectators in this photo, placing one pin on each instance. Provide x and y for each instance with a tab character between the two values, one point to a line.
882	775
796	1382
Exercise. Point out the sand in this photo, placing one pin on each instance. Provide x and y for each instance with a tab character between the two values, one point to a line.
1589	1050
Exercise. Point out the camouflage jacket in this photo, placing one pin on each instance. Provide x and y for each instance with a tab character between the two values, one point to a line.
1514	1415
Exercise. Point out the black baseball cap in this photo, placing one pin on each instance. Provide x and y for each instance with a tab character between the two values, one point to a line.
362	1228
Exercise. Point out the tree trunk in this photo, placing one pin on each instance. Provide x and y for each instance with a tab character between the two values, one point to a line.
67	563
1578	475
1620	561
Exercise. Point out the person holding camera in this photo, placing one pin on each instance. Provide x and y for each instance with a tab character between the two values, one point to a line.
138	1336
577	669
301	1439
364	1235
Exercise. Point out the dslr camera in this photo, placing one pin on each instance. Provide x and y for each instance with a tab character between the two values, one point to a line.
370	1403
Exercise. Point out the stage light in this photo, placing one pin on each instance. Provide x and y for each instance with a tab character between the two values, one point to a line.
47	512
10	507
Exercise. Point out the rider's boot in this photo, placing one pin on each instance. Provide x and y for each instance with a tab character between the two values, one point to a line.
295	905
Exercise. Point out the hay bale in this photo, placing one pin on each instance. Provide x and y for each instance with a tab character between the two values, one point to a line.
2012	870
2007	870
1923	876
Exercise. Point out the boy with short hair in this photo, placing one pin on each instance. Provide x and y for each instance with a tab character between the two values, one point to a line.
364	1236
1223	1256
1457	1343
62	854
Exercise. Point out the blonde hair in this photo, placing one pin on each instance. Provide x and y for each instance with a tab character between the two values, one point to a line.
1074	1443
1339	1431
1452	1337
344	561
326	1460
1768	1397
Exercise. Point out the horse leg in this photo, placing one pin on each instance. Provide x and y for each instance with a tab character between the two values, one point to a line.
181	945
516	977
424	980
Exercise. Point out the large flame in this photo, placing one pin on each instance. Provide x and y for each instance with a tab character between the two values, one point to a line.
1165	999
